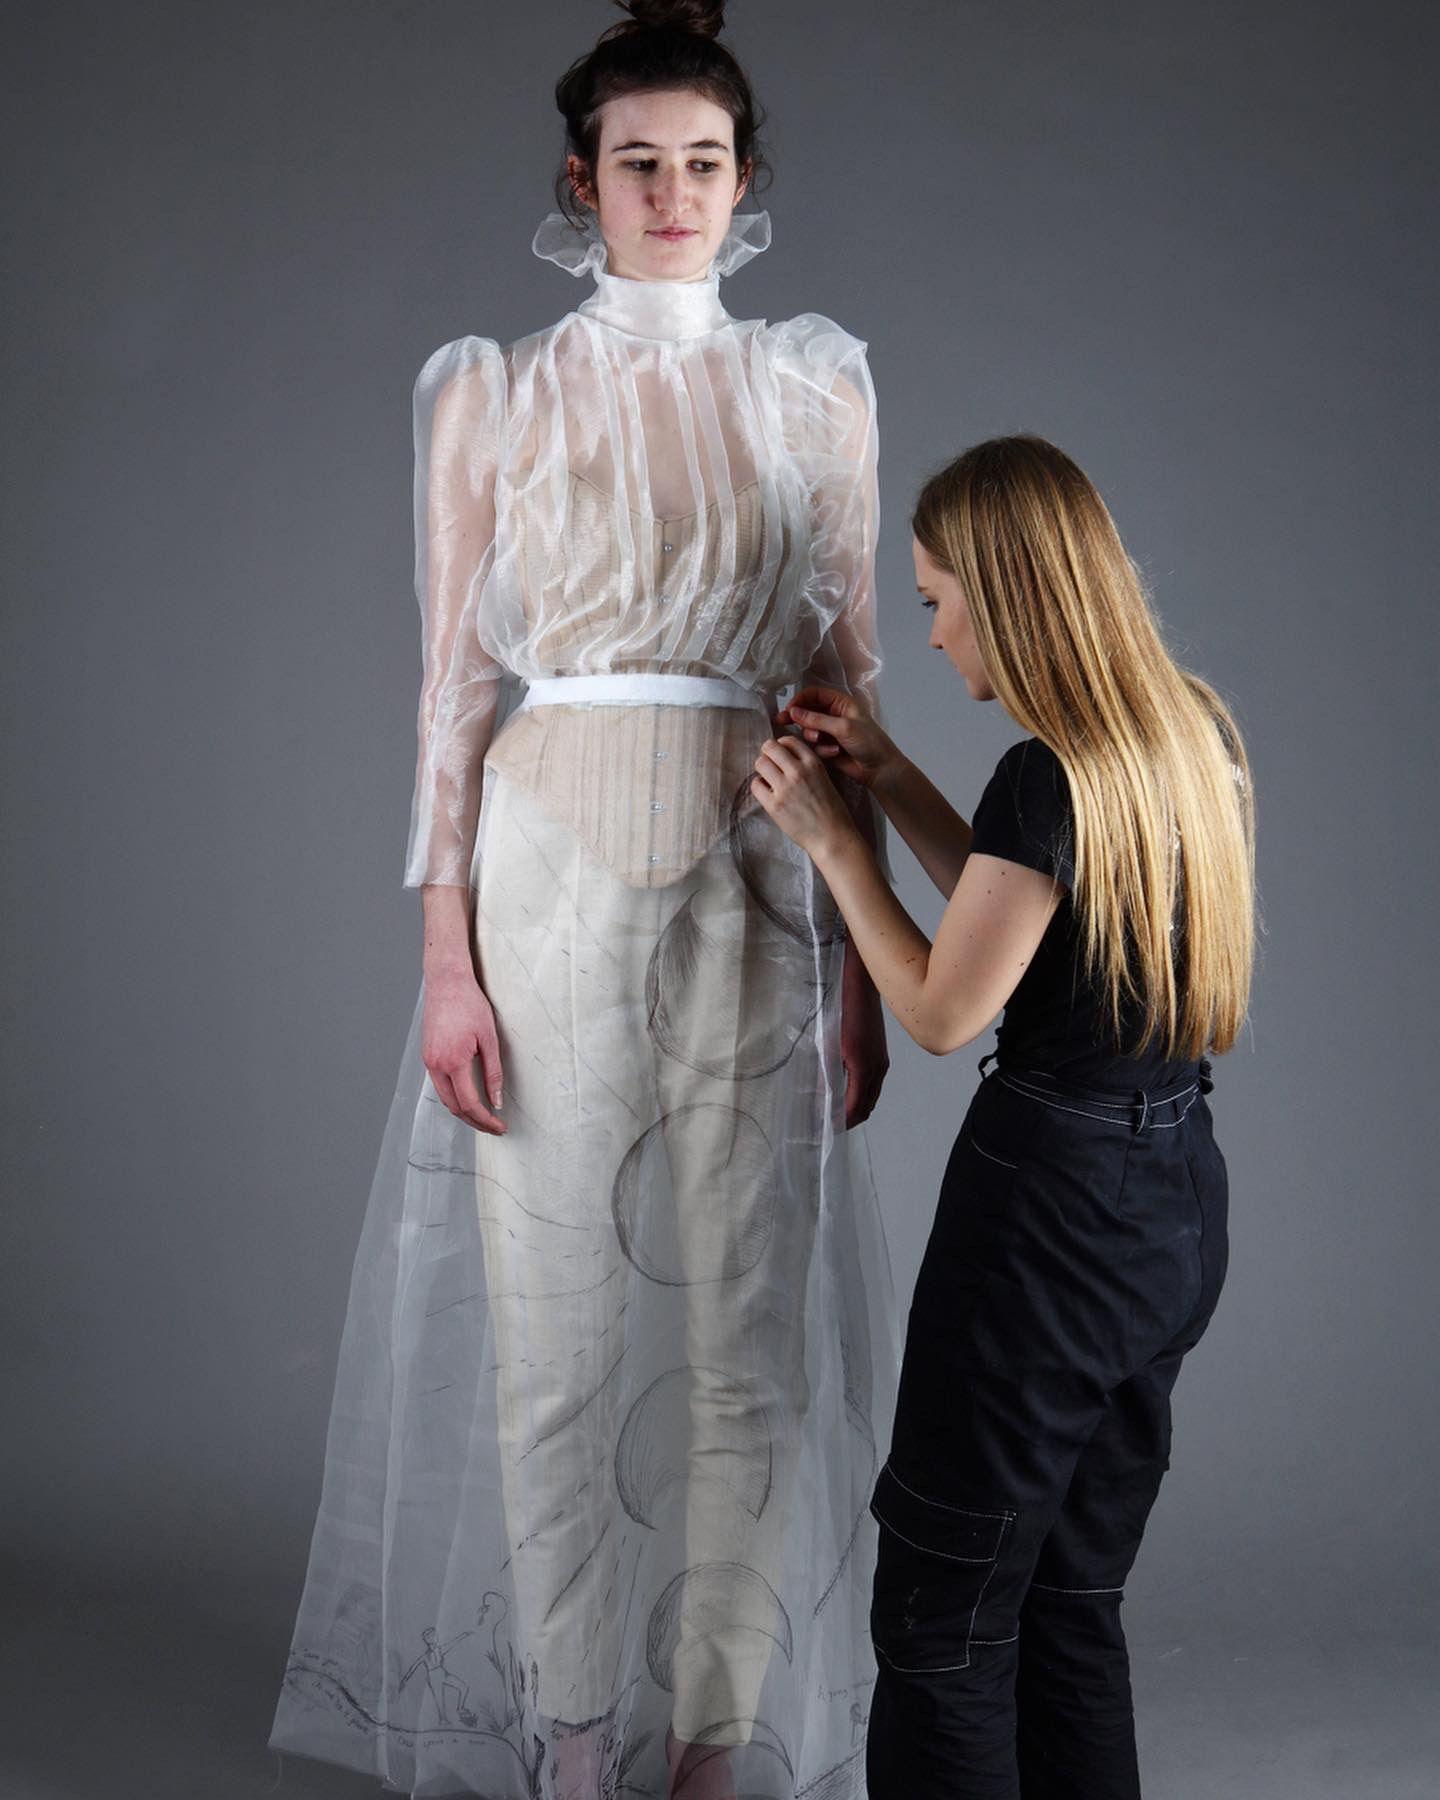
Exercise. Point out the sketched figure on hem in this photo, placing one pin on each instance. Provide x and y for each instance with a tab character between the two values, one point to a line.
438	1678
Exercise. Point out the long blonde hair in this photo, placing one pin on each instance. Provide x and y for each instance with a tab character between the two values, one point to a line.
1158	777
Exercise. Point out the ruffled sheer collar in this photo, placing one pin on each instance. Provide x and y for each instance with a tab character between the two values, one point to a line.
654	309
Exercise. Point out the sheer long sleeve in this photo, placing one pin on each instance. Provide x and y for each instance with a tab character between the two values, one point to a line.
845	509
459	409
831	399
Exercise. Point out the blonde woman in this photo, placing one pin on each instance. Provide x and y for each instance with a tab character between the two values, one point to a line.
1103	896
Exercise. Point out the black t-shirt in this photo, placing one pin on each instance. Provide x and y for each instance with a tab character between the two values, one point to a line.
1056	1020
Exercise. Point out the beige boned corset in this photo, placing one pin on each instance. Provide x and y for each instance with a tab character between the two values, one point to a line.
648	788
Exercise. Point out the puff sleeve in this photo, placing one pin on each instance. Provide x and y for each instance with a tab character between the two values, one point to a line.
459	408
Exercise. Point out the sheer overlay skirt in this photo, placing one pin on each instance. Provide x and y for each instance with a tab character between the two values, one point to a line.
609	1389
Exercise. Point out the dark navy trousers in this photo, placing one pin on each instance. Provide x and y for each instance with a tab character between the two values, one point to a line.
1078	1250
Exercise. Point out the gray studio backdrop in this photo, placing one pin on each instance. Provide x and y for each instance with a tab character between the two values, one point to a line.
1185	242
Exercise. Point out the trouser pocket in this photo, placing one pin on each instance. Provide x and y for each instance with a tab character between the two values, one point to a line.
934	1564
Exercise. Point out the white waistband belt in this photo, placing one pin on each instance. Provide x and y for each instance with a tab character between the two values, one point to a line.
639	690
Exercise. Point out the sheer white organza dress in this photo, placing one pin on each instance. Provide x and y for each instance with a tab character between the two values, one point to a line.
604	1423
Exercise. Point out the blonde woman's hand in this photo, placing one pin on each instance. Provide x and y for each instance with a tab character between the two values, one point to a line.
841	732
794	787
457	1032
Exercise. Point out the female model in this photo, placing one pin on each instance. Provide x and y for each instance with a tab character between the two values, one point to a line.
1103	897
594	1510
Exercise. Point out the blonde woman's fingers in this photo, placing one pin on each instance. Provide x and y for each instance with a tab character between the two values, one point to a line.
770	762
813	719
823	699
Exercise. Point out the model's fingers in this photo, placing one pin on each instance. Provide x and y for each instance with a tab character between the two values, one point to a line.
852	1097
859	1103
472	1108
445	1093
490	1067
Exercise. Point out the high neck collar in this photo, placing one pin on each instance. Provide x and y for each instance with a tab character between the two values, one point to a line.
656	309
650	309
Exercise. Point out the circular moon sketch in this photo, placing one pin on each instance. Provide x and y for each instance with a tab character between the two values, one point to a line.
720	1596
693	1408
690	968
780	881
668	1233
714	1739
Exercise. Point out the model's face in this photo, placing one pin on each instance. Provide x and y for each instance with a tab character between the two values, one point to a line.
951	629
665	183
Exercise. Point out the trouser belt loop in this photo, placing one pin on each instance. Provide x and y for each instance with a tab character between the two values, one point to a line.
988	1057
1143	1099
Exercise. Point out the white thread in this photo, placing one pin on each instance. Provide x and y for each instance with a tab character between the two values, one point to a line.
975	1610
991	1157
1119	1105
975	1512
1172	1123
944	1555
950	1668
1005	1517
1102	1118
915	1669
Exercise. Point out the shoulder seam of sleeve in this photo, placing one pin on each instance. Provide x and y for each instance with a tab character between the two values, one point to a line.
851	341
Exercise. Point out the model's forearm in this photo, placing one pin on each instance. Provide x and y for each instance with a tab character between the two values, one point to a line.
926	820
892	946
447	950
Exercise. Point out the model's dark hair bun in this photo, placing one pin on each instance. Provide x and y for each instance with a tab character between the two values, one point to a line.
662	44
706	18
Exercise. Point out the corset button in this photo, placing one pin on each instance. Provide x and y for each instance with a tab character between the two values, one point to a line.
657	806
667	546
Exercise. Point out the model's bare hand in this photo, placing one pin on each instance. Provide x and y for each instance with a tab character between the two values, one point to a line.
863	1049
457	1034
841	732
